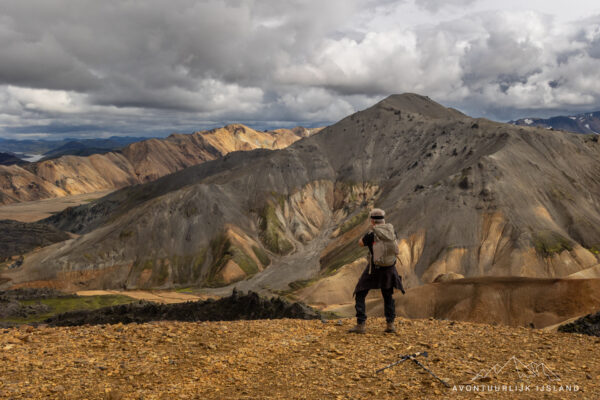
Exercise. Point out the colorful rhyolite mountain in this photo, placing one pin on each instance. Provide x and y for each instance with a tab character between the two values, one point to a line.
136	163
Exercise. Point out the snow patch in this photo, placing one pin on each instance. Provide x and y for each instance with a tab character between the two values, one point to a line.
528	121
30	157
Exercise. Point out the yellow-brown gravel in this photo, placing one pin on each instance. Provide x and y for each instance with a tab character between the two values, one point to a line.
288	359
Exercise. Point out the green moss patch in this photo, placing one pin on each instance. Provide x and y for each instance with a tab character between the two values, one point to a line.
161	275
219	249
261	255
147	264
548	243
271	231
197	264
125	234
190	210
301	284
354	221
64	304
187	269
330	264
245	262
595	250
222	251
341	256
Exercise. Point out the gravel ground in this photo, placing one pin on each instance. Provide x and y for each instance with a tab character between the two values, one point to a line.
292	359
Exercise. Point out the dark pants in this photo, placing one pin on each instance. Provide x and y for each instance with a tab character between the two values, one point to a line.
388	301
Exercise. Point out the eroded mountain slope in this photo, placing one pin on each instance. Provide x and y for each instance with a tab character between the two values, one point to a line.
138	162
467	196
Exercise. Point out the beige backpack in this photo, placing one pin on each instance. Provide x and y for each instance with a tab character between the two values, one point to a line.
385	246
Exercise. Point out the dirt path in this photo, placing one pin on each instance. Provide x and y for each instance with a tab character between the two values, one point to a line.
157	296
31	211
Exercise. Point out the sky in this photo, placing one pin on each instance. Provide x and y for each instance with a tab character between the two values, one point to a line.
87	68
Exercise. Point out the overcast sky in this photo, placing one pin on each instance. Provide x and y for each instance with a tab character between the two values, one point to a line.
145	68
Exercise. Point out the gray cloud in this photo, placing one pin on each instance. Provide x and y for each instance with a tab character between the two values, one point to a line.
436	5
153	67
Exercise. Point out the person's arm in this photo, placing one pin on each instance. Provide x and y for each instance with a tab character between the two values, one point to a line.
365	240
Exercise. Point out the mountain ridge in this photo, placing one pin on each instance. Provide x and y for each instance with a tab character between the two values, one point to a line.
586	123
136	163
467	196
10	159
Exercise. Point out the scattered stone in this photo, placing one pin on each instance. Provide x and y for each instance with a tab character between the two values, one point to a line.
281	359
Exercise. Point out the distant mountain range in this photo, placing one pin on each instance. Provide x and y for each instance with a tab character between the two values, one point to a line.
68	146
61	173
88	147
588	123
10	159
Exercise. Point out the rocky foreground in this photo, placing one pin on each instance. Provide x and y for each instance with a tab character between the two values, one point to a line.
293	359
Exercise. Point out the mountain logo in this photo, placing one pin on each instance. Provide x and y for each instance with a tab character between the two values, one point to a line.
524	371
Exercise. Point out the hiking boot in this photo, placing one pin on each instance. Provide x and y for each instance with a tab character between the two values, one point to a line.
359	328
390	327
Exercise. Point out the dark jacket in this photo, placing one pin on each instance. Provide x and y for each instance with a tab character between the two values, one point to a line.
375	277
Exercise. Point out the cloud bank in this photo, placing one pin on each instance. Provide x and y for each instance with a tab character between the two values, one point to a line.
90	68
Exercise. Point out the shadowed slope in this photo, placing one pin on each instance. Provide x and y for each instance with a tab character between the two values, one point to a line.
467	196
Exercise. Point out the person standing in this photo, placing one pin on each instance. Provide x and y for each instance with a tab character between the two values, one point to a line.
380	273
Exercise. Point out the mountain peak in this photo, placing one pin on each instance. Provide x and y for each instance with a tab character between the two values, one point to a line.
235	127
416	103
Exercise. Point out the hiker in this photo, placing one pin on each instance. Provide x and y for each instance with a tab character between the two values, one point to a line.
380	273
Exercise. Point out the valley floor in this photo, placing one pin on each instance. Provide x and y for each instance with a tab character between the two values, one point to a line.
292	359
31	211
157	296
